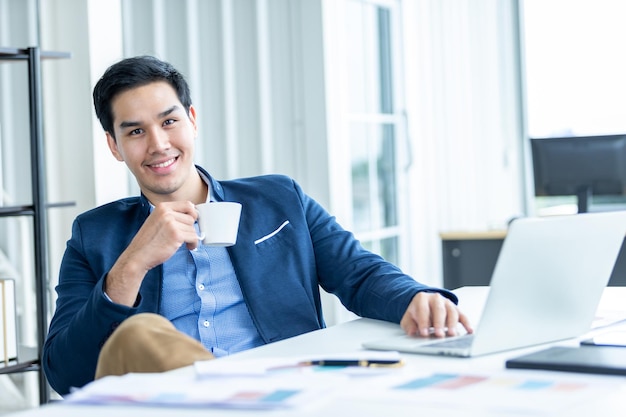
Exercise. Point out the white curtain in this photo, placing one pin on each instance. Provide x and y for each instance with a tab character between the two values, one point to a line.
464	104
255	70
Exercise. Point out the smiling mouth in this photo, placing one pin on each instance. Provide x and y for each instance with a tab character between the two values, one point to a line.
164	164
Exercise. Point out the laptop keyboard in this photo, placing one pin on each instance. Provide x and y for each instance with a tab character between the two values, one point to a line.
458	343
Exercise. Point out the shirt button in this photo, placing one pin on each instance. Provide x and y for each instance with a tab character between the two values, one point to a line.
206	323
201	287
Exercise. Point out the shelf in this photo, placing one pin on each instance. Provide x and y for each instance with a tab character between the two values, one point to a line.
38	209
32	365
27	361
29	209
16	211
22	54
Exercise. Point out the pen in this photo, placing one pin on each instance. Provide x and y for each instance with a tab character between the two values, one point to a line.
370	363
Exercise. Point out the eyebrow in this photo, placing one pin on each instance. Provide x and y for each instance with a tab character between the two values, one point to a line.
164	113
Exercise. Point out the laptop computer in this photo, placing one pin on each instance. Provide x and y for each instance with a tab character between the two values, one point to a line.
546	286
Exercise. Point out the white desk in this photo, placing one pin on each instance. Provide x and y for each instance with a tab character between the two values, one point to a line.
348	337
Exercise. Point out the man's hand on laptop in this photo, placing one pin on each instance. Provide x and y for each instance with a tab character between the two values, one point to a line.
431	314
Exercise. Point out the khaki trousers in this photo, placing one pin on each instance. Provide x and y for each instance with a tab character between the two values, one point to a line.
148	342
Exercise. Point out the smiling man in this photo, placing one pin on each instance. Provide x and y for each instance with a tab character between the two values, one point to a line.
138	292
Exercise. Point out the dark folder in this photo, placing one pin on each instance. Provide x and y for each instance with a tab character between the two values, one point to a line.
607	360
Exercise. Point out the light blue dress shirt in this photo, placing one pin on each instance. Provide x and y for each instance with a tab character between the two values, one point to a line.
202	298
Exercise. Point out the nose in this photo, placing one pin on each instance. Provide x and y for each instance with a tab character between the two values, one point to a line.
158	140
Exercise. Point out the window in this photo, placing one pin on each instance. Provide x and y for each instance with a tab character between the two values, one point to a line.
574	76
574	67
372	125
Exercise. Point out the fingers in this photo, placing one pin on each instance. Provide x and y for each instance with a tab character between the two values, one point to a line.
466	323
418	318
177	216
182	230
408	324
169	226
452	319
434	318
431	314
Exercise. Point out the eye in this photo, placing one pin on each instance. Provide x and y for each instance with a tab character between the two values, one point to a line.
135	132
169	122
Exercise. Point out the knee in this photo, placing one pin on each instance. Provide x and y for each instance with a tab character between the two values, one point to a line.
141	321
139	326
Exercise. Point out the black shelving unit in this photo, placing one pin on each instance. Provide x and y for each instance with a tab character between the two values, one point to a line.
38	209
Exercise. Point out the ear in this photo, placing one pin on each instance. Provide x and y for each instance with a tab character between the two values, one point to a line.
192	119
113	147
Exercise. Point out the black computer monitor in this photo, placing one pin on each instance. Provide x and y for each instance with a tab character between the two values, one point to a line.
580	165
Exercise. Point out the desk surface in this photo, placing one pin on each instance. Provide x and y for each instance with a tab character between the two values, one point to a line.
348	337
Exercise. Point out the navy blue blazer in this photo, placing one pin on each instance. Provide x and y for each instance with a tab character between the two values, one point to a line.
279	276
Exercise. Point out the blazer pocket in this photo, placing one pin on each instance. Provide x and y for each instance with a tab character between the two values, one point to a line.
273	235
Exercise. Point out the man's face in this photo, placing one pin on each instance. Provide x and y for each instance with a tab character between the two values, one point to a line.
155	137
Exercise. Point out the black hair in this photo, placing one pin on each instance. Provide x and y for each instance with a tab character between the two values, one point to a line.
131	73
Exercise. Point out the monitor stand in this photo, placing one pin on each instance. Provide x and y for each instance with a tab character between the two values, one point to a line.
584	199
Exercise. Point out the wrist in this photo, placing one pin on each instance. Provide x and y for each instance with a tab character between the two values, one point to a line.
121	284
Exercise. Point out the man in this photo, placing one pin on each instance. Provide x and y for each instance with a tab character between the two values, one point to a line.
142	254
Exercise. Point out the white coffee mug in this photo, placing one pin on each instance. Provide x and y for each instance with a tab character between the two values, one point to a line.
219	222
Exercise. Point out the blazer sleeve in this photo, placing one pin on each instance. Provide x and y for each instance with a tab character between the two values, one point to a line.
365	283
82	322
